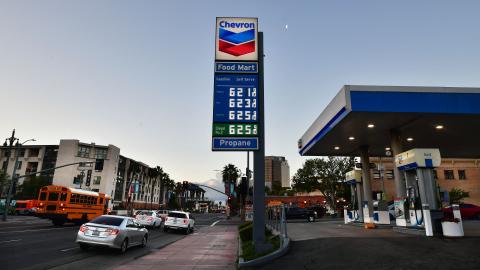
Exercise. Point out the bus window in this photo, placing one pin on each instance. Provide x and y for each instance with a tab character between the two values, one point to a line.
53	196
73	198
63	197
101	201
43	196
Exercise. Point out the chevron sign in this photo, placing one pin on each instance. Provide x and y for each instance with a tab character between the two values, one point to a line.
236	39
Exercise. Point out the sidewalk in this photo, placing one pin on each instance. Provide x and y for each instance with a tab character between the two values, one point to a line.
209	248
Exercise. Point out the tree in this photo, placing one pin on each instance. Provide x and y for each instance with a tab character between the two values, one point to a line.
457	195
31	186
326	175
230	173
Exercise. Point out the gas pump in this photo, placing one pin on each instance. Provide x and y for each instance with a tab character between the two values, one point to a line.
421	198
354	180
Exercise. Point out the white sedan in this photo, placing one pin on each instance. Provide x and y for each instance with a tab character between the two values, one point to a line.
149	219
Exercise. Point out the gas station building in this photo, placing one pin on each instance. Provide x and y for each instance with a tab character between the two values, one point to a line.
422	129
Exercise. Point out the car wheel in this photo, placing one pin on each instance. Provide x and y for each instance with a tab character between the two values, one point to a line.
124	246
83	246
311	219
144	241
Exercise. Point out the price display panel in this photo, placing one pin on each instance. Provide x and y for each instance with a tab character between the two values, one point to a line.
235	130
235	99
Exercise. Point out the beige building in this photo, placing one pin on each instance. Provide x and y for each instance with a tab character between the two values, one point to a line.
452	173
277	170
124	179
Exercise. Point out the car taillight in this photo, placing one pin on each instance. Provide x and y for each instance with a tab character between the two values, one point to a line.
83	228
185	221
113	231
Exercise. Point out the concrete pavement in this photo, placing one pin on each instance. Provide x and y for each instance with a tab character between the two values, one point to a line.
212	247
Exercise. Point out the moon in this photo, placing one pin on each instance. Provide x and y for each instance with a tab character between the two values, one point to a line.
286	26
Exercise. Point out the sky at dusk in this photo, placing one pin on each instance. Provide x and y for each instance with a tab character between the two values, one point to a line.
139	74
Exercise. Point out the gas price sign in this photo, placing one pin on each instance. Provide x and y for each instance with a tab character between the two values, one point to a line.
235	98
235	112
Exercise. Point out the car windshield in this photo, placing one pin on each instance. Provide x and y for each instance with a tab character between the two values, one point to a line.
177	215
106	220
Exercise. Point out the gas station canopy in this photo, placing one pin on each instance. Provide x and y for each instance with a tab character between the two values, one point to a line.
447	118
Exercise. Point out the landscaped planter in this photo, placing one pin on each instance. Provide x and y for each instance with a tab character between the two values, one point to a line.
452	229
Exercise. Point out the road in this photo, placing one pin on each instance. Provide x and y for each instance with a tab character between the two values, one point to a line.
32	243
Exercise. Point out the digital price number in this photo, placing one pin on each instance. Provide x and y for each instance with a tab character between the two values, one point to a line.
221	129
241	100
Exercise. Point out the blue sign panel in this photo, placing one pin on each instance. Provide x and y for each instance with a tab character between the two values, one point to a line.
235	99
229	144
236	67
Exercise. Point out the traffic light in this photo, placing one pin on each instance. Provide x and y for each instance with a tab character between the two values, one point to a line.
99	164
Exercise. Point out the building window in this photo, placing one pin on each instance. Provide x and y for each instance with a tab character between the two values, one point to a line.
22	152
4	166
96	180
435	174
19	165
389	174
462	175
33	152
77	180
6	153
449	174
101	153
95	189
83	151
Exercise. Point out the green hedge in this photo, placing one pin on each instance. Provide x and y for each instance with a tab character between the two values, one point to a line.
246	232
245	224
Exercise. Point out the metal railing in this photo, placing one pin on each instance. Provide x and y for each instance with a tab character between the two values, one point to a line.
275	221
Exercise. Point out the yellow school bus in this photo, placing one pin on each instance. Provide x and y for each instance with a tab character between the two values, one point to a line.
64	204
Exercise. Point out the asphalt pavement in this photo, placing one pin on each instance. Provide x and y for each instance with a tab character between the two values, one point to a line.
334	245
32	243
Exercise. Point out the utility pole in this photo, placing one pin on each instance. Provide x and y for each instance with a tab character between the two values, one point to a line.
11	140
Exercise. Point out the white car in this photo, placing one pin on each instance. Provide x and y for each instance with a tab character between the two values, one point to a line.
178	220
148	219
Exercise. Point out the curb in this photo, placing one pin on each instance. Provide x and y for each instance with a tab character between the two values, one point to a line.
265	259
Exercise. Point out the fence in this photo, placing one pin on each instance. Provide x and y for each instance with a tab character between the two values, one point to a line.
275	221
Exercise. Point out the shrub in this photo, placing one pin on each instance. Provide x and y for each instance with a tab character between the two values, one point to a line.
246	233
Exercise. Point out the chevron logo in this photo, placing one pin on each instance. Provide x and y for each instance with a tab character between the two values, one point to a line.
236	44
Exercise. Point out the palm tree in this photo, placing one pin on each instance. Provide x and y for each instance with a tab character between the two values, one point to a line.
230	174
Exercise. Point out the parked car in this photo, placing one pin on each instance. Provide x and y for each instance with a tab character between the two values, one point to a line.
300	213
179	220
117	232
467	210
318	210
149	219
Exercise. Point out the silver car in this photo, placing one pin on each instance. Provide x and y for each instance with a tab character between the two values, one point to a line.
112	231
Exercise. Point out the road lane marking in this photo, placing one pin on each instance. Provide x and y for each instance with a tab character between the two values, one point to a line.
214	223
36	230
68	249
9	241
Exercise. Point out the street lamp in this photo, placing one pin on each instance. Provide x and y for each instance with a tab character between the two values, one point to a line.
14	178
